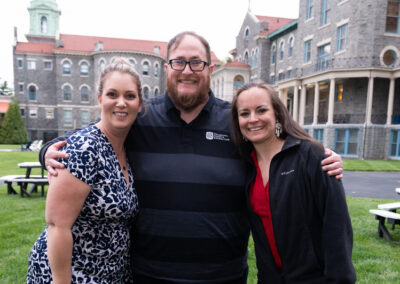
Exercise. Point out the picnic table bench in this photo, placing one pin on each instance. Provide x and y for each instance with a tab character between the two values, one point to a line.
382	215
23	182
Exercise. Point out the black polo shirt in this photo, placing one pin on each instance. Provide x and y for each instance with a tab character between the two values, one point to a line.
192	226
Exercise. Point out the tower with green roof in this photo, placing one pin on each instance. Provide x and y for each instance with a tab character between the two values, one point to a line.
44	19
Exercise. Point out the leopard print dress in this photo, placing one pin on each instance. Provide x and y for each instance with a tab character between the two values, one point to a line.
101	240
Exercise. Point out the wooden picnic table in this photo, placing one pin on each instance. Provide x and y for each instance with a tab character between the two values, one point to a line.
24	180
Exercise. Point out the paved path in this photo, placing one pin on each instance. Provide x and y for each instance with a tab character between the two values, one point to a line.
372	184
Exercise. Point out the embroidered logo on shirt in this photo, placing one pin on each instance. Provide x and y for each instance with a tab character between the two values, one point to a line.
216	136
287	172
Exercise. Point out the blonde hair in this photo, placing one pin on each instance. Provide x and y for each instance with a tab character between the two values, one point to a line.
122	65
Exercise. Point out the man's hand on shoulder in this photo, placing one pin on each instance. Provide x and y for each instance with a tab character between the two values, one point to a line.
52	154
333	164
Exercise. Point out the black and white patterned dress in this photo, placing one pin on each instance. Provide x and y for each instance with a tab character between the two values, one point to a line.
101	239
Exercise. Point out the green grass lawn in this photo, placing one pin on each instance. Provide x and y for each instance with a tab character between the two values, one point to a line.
22	220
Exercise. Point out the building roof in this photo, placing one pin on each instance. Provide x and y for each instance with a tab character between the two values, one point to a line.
274	23
86	45
237	64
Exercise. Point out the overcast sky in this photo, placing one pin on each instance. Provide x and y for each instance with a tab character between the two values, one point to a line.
218	21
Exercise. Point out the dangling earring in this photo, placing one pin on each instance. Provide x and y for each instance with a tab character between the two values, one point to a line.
278	129
244	139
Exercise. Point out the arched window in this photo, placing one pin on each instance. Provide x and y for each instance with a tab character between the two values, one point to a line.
156	92
146	92
84	68
247	32
133	63
291	42
32	93
246	58
102	65
66	67
43	25
238	81
156	70
146	68
281	50
67	93
85	94
273	54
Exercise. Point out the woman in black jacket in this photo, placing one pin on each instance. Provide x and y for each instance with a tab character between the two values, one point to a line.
299	217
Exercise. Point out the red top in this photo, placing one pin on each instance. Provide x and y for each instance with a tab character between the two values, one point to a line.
259	201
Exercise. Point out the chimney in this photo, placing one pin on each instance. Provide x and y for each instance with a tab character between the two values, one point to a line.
157	49
15	36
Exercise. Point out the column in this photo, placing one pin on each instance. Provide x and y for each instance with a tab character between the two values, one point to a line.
370	96
316	103
390	102
280	93
283	96
331	101
295	102
303	95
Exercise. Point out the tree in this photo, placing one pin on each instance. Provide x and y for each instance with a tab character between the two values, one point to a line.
13	130
5	90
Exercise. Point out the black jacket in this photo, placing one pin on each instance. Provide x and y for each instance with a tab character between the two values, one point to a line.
310	218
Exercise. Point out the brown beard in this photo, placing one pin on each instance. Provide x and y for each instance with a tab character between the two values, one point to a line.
187	102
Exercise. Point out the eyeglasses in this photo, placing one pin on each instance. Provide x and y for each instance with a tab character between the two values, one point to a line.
195	65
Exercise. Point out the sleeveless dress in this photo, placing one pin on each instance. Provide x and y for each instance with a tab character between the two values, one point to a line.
101	240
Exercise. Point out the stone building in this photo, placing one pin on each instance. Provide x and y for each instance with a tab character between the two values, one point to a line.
336	68
55	75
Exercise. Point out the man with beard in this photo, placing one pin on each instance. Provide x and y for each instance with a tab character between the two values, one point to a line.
192	226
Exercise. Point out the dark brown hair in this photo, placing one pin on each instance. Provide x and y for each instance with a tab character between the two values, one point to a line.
289	126
176	40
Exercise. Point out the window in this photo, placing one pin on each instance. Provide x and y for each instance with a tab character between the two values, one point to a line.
133	63
32	93
67	117
102	65
346	141
43	25
281	50
22	111
393	16
84	69
341	38
273	54
84	94
394	143
20	63
49	113
146	92
389	58
47	65
272	79
247	32
85	117
238	81
324	57
307	51
339	92
20	87
156	70
319	135
66	67
31	64
146	68
291	42
33	113
289	74
246	58
281	76
309	9
325	12
67	93
156	92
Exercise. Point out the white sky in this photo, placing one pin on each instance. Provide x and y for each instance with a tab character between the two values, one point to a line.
218	21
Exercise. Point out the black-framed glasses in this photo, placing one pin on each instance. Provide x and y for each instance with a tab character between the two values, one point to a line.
195	65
